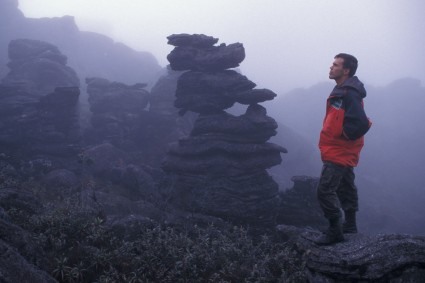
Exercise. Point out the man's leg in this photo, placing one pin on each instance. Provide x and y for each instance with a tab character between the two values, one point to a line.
348	197
329	183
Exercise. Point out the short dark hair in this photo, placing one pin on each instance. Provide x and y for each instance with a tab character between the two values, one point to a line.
350	62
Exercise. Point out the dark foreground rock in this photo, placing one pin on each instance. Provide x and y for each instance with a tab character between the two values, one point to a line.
360	258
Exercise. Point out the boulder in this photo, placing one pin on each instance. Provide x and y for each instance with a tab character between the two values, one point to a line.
207	59
360	258
39	66
116	112
198	53
254	96
206	92
192	40
215	157
39	101
252	127
247	199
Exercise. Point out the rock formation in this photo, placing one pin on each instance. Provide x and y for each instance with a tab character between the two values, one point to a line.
220	168
89	54
39	66
361	258
39	104
115	109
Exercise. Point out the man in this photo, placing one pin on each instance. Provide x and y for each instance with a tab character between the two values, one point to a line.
341	141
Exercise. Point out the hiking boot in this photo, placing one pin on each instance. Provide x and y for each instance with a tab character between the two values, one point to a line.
349	226
333	235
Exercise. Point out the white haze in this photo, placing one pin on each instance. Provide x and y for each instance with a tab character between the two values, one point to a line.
288	43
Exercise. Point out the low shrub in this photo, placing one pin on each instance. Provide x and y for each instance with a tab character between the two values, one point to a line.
81	247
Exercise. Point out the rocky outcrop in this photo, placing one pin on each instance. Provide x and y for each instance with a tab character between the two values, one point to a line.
198	53
39	105
134	120
220	168
34	127
361	258
90	54
39	67
116	112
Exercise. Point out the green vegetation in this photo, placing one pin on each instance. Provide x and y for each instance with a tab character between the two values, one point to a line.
81	247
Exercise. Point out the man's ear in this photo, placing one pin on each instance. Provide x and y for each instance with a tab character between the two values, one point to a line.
346	71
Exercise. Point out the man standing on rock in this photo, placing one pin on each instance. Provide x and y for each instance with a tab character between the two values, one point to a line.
341	141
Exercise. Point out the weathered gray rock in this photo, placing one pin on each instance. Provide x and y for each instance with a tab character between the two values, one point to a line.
252	127
58	127
215	157
116	112
254	96
209	92
192	40
39	103
89	53
39	66
247	199
197	53
121	117
361	258
106	96
39	126
220	168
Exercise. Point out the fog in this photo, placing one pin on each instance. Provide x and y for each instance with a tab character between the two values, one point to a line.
289	47
289	44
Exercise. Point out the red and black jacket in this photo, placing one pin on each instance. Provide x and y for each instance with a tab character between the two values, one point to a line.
345	124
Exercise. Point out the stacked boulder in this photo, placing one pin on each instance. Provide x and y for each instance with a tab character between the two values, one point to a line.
220	169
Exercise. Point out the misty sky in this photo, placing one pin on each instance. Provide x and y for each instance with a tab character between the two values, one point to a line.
288	43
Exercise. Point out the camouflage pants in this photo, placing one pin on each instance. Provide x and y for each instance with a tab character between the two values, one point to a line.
337	190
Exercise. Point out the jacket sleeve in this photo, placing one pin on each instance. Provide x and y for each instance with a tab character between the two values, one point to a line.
356	124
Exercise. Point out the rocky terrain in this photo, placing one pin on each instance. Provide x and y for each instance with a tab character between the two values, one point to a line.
136	169
161	183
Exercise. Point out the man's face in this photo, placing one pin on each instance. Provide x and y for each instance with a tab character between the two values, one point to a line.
337	71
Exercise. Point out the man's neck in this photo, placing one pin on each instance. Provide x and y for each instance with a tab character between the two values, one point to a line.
340	81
